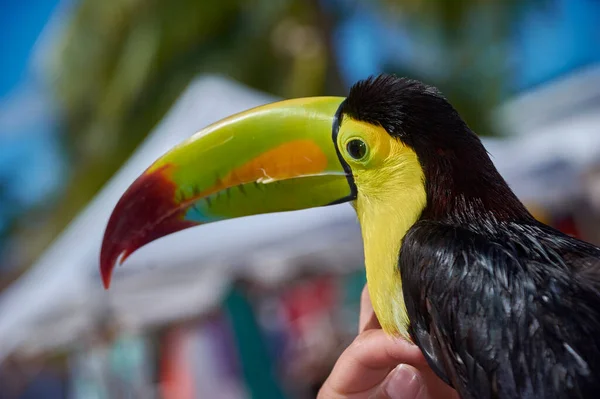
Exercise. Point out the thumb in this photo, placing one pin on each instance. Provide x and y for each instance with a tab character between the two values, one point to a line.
403	382
407	382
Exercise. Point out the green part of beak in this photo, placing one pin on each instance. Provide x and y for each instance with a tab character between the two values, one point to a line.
278	157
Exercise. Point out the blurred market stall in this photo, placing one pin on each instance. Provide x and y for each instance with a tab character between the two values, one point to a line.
177	280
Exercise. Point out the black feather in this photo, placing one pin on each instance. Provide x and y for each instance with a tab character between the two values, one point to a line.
508	313
459	173
501	305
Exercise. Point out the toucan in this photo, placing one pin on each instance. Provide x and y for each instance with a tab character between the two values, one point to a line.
501	305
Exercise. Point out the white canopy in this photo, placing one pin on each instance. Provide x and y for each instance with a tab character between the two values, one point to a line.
186	273
183	274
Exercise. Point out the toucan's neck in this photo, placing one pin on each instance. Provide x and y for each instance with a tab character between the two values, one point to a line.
390	201
466	188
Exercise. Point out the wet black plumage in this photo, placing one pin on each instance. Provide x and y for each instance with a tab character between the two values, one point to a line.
501	305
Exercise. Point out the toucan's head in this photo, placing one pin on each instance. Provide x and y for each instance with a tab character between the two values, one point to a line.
394	147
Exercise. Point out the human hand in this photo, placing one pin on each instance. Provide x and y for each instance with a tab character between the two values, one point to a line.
376	366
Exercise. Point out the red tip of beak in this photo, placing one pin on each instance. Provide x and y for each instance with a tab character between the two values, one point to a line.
106	276
146	212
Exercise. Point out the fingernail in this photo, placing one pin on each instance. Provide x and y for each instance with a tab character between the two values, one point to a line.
404	383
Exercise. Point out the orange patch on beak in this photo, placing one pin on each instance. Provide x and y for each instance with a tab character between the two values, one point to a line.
293	159
297	158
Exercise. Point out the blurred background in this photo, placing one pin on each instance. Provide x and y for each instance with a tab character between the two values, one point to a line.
91	92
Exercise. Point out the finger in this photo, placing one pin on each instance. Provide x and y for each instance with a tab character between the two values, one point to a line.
366	309
367	319
407	382
372	323
403	382
367	362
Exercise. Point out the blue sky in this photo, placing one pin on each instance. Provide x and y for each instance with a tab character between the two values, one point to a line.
546	42
31	166
554	41
21	22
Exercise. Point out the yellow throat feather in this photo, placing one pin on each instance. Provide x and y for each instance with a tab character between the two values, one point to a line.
391	197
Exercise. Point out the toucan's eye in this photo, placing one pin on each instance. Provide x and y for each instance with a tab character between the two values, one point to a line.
357	149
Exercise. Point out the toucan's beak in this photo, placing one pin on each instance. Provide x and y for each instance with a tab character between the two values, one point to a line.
278	157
